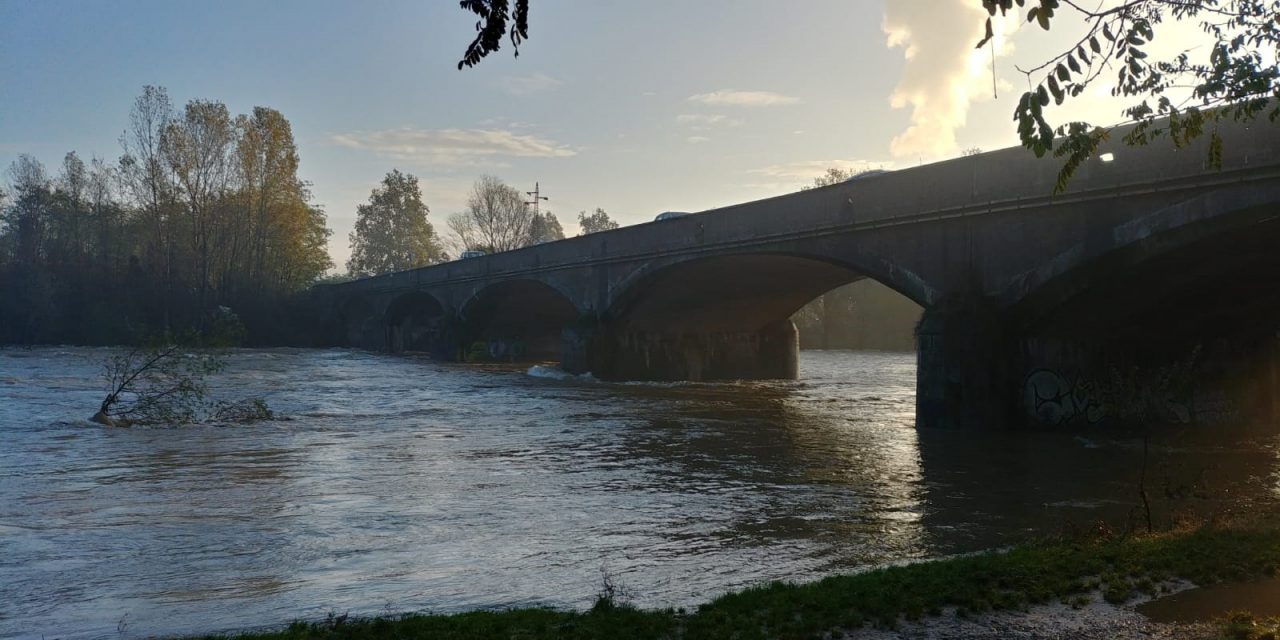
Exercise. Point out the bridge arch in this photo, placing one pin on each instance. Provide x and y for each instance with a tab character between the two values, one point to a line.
718	317
516	320
360	325
1165	246
1177	314
795	275
416	321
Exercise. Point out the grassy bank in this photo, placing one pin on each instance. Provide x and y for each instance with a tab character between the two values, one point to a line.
1036	573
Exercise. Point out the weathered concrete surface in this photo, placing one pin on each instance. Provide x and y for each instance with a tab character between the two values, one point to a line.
1004	269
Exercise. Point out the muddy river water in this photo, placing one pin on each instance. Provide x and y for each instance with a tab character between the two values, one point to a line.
397	484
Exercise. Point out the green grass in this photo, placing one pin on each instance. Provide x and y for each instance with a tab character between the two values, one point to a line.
1023	576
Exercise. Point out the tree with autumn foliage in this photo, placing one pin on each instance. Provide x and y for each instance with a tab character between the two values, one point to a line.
392	232
204	210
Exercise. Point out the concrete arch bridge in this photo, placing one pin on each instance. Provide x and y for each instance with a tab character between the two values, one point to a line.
1039	308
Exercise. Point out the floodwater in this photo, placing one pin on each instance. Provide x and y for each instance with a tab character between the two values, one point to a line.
400	484
1260	598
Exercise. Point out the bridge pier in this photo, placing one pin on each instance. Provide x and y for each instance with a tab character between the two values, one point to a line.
963	363
611	354
436	339
1201	381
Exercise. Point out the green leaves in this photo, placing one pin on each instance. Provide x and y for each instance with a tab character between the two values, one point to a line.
992	7
1058	94
1235	78
597	221
1033	130
1043	14
1079	143
1215	151
987	36
392	232
492	25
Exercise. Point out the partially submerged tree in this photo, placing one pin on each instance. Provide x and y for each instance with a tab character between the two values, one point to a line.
164	381
159	384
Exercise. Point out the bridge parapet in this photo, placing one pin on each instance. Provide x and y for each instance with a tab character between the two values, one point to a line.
681	297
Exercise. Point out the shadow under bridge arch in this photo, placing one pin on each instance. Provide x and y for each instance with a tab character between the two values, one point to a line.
360	327
716	318
1180	326
516	320
417	321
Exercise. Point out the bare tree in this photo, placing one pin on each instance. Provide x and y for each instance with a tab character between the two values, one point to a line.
147	180
496	218
465	237
142	169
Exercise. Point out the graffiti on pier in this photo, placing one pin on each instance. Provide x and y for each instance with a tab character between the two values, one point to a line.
1052	399
1126	395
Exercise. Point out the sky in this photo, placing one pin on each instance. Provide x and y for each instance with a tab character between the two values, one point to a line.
634	107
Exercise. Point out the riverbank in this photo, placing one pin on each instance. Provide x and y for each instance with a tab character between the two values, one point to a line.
1026	591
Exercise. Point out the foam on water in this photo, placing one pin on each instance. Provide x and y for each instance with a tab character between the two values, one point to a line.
556	373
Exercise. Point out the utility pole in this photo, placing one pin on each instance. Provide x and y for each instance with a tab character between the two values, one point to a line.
537	196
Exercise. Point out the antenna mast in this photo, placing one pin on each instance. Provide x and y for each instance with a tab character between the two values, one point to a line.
537	197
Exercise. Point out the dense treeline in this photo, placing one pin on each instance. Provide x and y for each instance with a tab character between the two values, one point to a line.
203	210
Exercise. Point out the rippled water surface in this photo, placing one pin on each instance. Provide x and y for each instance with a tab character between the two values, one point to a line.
396	484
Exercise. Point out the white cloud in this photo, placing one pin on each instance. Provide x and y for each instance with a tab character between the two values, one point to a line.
525	85
697	139
504	123
453	147
743	98
807	170
700	121
943	72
